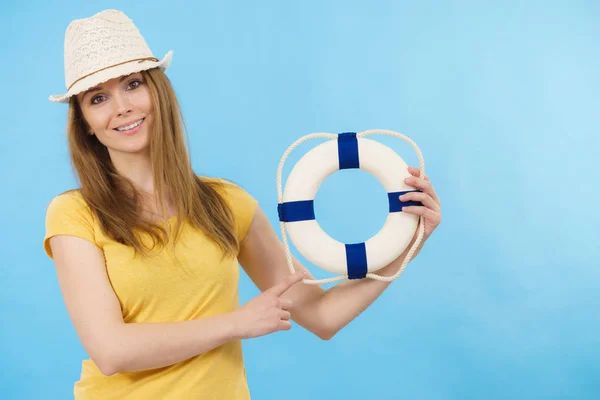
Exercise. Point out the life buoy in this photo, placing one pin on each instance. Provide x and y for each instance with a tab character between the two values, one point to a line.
296	211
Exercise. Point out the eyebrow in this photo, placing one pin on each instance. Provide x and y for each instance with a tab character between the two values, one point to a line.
96	89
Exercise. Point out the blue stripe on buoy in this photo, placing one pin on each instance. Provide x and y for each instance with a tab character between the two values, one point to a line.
396	204
348	150
356	258
293	211
304	210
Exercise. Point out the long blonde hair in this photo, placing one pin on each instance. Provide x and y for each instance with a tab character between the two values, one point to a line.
116	202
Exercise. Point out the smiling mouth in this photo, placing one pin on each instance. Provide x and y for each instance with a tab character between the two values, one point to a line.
130	126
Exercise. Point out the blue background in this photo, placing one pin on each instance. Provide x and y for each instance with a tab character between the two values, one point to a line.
501	97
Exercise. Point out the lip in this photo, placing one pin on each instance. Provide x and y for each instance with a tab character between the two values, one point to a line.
131	131
129	123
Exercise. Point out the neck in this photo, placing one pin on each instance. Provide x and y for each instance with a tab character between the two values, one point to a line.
135	167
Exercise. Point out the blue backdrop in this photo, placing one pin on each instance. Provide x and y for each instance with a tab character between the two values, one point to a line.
501	97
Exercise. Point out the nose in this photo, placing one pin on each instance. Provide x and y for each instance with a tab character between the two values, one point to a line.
122	104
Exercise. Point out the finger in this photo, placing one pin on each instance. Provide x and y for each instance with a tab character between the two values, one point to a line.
424	212
424	185
286	304
285	325
287	283
424	198
416	172
285	315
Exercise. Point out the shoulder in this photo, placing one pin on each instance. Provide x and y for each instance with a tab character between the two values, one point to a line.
240	201
69	200
69	206
68	214
231	190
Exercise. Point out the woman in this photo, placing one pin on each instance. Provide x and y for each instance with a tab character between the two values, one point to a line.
147	252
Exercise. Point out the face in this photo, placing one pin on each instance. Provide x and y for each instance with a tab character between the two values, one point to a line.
120	113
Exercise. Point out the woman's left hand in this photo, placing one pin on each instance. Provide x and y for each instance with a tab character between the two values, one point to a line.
431	209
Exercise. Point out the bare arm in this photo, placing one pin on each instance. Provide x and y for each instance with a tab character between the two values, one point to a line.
322	312
96	314
116	346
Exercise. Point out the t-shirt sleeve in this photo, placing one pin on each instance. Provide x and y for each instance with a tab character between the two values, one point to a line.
68	214
243	206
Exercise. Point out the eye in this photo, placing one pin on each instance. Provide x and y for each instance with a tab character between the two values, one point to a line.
135	83
95	98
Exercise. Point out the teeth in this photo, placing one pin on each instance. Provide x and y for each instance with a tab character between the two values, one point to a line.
128	127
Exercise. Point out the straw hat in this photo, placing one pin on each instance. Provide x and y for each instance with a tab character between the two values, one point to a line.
104	46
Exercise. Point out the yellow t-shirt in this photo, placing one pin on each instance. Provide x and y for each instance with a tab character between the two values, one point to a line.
158	290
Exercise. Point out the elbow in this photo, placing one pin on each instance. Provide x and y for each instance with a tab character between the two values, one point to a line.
316	323
106	365
107	370
321	328
107	362
325	334
107	353
321	332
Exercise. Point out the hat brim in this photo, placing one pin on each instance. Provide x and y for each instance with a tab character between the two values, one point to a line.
110	73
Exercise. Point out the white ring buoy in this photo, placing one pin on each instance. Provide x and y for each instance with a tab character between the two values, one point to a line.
296	210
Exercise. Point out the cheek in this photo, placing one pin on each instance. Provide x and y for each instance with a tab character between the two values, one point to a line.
98	120
146	107
143	100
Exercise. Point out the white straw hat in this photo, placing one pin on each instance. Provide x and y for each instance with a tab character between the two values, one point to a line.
104	46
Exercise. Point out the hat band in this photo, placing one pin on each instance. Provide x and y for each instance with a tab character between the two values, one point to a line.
111	66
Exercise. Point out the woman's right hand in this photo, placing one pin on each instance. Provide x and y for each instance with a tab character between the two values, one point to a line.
267	312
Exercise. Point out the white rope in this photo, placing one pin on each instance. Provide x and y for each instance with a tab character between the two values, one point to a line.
280	198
